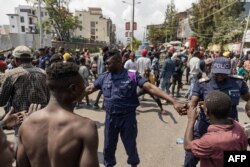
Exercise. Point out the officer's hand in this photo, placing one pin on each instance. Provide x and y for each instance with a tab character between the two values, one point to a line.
181	108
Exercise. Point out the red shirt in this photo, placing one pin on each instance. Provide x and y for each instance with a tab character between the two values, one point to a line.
219	138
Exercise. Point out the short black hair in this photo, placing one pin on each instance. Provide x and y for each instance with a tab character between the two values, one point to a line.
56	58
105	49
62	74
111	53
61	70
218	104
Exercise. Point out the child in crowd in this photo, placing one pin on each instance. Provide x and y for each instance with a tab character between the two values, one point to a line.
223	134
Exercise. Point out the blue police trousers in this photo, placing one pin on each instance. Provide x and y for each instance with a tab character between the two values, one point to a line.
200	128
126	126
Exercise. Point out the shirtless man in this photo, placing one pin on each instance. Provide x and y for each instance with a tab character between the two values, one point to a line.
55	136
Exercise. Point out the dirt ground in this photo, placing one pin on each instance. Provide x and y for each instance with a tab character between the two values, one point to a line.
157	134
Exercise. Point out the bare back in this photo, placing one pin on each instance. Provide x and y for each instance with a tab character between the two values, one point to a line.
57	138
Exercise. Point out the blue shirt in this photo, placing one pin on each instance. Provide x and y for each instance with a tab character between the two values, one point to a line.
119	91
233	87
168	68
44	61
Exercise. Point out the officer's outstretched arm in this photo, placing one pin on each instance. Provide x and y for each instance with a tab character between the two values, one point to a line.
181	108
90	89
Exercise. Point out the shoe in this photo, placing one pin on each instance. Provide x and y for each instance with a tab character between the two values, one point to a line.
95	106
89	106
164	112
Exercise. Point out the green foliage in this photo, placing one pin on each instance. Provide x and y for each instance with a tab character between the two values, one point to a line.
61	19
168	30
216	21
156	35
171	22
136	43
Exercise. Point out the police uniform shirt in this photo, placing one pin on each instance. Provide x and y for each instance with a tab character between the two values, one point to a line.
42	62
234	87
119	91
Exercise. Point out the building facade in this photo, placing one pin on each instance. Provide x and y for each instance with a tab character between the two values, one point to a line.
25	19
94	26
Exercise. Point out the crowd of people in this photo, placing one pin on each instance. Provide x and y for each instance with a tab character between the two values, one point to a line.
59	137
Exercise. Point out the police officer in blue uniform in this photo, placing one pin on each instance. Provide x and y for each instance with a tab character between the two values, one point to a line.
120	101
233	86
44	58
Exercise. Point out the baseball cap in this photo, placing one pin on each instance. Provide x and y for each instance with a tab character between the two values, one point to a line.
21	50
221	65
66	56
226	54
144	52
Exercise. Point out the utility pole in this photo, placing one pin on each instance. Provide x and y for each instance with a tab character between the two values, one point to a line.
132	24
40	22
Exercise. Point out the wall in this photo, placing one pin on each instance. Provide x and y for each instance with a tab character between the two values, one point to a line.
30	40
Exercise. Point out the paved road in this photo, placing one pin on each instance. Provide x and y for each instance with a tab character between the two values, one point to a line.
156	137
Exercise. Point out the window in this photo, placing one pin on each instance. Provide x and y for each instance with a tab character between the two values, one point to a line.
80	14
13	26
22	19
80	22
80	28
96	30
33	12
92	24
22	28
11	17
41	14
92	37
92	31
30	21
96	22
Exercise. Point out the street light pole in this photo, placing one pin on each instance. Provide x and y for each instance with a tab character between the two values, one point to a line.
132	24
40	22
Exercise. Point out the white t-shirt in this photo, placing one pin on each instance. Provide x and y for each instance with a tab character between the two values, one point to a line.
131	65
143	63
195	66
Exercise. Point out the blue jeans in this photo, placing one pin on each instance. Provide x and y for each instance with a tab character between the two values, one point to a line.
165	84
193	79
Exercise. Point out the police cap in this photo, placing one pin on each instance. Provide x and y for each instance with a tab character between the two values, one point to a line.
221	65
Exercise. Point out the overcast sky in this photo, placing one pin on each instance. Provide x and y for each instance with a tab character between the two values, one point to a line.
147	12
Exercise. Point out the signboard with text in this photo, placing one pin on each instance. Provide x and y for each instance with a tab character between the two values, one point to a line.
127	26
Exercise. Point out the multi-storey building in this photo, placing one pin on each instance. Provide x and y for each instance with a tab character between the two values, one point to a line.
94	26
25	19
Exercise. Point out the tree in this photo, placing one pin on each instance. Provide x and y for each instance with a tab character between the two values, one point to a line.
136	43
216	21
156	35
171	22
60	18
